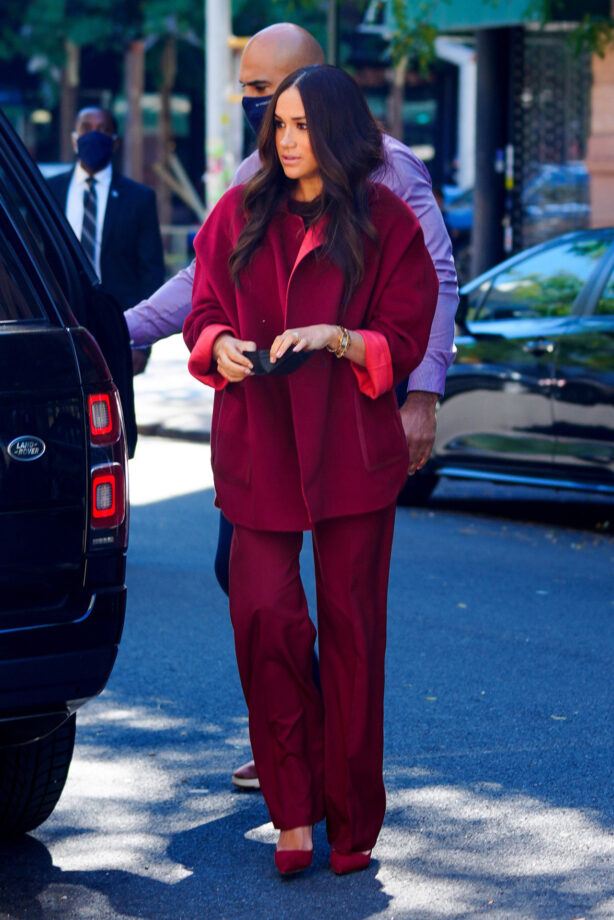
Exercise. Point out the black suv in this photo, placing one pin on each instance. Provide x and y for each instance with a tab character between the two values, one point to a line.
63	488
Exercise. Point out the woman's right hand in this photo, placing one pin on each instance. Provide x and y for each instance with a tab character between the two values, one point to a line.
231	363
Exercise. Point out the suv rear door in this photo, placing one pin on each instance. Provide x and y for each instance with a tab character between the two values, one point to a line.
42	444
46	285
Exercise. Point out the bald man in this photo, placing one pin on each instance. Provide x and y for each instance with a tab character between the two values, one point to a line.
269	56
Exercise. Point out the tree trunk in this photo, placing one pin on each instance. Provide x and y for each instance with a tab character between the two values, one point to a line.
134	82
396	98
69	99
165	126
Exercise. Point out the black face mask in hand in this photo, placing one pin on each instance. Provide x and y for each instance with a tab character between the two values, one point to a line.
289	362
254	108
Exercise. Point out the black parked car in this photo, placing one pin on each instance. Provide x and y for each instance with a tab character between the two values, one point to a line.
530	397
63	488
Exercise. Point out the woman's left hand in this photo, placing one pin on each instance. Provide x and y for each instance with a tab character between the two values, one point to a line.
305	338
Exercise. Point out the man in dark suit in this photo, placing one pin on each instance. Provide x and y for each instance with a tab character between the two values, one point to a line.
115	218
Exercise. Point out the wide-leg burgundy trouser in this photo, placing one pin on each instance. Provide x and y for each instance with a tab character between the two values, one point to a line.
316	755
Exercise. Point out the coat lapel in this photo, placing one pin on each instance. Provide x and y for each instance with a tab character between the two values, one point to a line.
114	203
314	238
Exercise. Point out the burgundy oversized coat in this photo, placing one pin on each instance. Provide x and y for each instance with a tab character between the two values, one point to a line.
326	440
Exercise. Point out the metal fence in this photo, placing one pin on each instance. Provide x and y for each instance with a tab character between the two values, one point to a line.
551	124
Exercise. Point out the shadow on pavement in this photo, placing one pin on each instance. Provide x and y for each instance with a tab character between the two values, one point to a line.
498	758
229	877
575	510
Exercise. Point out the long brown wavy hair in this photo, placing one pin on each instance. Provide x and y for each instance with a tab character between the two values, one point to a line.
347	145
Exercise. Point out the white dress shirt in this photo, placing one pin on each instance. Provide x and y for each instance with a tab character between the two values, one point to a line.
74	203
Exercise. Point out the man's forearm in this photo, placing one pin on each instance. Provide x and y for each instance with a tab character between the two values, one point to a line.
163	313
430	375
408	177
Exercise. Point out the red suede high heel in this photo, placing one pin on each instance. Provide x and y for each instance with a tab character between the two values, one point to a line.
289	861
344	863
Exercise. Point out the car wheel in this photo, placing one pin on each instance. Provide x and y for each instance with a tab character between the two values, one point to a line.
32	777
417	489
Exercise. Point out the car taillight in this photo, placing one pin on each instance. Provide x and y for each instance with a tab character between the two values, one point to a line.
108	507
108	496
104	418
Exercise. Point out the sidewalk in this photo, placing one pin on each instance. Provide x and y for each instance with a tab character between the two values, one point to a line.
169	401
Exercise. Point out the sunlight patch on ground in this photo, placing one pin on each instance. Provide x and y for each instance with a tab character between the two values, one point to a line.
603	911
154	474
526	835
133	717
266	833
239	741
208	806
93	775
112	826
447	850
139	853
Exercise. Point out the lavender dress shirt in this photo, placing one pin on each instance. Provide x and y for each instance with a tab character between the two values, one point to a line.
405	174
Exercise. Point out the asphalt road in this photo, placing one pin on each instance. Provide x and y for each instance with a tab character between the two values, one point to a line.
499	753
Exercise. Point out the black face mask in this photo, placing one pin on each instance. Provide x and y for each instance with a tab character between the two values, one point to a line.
95	149
254	108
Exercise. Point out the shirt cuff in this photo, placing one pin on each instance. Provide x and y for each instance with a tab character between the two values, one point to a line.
375	377
201	359
429	377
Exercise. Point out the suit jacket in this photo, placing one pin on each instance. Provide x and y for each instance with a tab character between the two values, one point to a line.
327	440
131	256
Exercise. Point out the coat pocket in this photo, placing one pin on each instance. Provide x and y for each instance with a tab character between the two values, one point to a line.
230	455
380	432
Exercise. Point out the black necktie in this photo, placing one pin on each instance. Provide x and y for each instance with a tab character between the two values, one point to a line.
88	230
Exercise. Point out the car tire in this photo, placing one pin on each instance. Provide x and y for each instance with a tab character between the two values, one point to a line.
32	778
417	489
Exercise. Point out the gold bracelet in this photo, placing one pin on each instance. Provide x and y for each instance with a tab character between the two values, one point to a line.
333	348
344	344
345	340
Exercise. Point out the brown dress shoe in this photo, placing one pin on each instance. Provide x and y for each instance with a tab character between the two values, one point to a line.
246	776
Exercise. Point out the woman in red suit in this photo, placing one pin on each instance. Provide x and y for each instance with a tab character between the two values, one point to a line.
310	260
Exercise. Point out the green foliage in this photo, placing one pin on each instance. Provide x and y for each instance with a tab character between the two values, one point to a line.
415	35
251	15
183	18
40	28
278	10
11	41
593	34
48	24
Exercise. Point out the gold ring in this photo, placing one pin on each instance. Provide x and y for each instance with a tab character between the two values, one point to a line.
298	338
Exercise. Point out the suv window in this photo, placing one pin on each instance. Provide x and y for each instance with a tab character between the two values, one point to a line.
545	284
32	227
18	300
